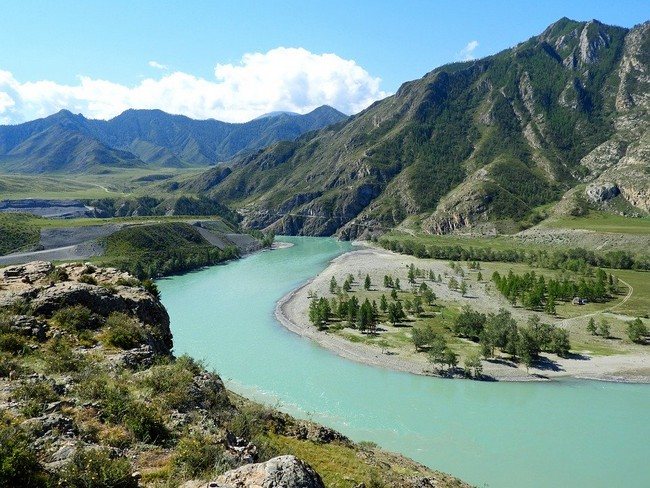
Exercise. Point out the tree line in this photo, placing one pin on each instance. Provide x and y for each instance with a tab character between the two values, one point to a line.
536	292
575	259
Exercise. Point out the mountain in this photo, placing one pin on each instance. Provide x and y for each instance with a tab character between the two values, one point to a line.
65	142
483	143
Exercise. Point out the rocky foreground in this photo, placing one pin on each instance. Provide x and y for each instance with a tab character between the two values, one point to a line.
92	396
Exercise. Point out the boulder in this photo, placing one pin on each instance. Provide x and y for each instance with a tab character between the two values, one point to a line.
279	472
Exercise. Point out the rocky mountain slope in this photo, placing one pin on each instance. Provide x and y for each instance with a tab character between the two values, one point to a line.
481	143
91	395
65	142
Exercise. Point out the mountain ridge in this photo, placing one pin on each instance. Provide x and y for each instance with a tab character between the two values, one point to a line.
143	138
486	142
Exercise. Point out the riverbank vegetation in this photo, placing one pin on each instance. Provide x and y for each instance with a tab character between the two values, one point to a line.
149	251
571	259
403	311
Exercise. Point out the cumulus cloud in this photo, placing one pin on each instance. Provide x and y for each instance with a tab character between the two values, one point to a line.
467	53
291	79
157	65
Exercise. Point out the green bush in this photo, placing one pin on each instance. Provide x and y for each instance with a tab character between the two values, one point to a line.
75	318
197	455
35	397
86	278
12	343
123	331
58	274
18	463
94	468
145	423
61	358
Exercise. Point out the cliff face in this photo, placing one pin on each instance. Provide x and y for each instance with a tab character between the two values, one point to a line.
469	144
91	395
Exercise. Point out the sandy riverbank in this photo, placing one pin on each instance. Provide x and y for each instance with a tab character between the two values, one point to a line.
291	312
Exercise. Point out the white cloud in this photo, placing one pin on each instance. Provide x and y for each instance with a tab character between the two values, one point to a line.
467	53
157	65
291	79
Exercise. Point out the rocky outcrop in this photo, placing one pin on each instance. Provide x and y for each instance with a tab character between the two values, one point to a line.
279	472
102	290
602	192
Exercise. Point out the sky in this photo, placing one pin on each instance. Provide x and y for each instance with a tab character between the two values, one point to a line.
235	60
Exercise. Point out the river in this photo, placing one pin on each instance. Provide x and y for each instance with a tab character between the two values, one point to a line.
556	434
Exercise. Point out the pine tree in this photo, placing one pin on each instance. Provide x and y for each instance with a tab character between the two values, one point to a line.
591	326
367	283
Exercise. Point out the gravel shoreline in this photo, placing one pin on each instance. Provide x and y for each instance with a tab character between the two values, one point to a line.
291	312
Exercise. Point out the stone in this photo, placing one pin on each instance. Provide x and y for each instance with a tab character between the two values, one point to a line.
279	472
602	192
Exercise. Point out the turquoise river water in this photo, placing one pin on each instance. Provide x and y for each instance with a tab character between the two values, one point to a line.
558	434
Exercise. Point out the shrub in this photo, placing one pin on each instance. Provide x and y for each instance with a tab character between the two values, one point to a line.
12	343
127	282
115	436
145	423
57	274
152	288
94	468
198	454
18	463
123	331
35	396
75	318
86	278
61	358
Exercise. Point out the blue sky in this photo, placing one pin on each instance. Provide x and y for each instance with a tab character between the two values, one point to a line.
119	43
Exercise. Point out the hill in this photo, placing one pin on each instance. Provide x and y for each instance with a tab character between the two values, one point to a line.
485	144
70	143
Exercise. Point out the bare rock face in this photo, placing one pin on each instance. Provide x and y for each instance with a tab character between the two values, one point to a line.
602	192
279	472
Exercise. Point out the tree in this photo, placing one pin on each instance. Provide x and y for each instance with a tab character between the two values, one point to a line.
469	323
463	288
549	308
437	350
560	344
367	282
450	358
603	328
421	336
393	294
637	330
395	313
479	276
411	273
528	347
453	283
591	327
417	306
396	284
333	285
347	285
429	296
388	281
365	318
473	365
353	310
383	303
